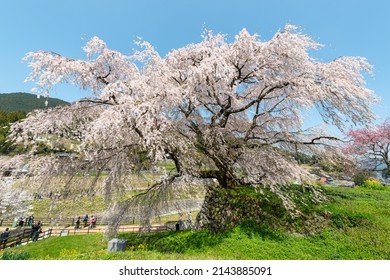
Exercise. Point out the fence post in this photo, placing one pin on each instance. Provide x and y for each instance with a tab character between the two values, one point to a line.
1	222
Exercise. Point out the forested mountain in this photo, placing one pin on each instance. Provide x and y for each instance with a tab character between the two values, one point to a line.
26	102
15	106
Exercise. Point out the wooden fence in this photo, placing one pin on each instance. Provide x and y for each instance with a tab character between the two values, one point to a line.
100	229
21	236
60	221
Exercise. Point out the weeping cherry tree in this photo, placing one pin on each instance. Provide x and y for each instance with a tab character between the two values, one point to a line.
228	113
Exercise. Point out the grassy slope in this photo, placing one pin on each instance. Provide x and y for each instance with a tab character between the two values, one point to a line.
359	229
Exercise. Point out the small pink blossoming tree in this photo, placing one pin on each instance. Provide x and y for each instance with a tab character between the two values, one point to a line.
224	112
371	146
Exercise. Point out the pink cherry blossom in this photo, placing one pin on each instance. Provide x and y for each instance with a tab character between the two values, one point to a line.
371	146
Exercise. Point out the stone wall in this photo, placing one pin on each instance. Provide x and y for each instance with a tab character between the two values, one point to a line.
225	208
14	202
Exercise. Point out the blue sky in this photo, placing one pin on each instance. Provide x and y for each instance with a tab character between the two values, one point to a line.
353	28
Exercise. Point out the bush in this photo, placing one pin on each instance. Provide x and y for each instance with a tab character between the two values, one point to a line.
360	177
372	184
15	256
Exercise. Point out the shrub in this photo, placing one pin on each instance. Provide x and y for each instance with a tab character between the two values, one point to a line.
360	177
372	184
15	256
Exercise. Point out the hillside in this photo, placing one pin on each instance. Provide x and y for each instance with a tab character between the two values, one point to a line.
26	102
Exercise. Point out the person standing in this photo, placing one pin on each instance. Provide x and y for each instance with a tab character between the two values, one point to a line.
181	221
85	220
21	221
36	230
4	236
78	222
30	220
92	222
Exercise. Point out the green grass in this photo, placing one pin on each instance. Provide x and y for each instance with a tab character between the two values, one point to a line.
358	228
79	204
69	208
167	165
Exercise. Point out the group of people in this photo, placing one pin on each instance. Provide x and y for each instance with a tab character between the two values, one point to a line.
91	222
24	221
36	229
181	225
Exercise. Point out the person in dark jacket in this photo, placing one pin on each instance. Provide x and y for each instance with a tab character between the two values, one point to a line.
36	230
78	223
4	236
30	220
85	220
